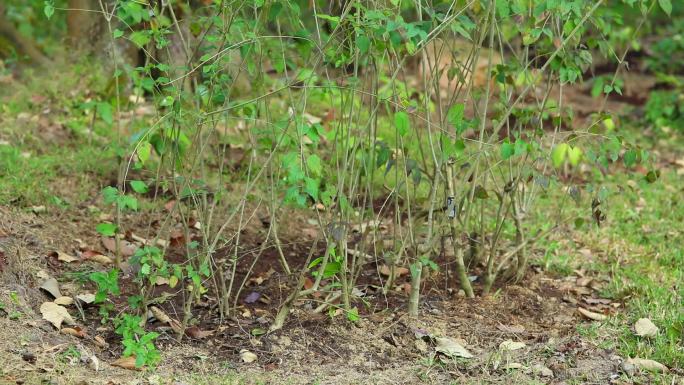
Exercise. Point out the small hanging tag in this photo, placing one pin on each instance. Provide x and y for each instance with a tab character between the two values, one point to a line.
451	207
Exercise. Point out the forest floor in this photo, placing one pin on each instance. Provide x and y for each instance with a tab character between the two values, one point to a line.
632	267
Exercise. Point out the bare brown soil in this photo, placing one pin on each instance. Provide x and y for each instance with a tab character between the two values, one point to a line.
382	348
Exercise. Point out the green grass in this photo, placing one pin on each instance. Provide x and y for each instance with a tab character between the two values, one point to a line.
640	250
56	177
47	156
652	280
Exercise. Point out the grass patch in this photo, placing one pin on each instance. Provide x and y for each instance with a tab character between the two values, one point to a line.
58	177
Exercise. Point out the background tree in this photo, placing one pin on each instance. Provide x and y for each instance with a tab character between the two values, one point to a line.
12	41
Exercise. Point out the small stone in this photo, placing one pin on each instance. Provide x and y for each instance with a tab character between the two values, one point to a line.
247	356
644	327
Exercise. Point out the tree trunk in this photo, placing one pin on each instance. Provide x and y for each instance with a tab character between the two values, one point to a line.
23	46
84	24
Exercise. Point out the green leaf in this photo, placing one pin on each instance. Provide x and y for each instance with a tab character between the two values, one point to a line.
574	155
167	101
105	112
597	87
503	9
117	33
609	124
363	44
666	6
110	194
313	162
652	176
507	150
401	122
558	154
138	186
630	158
520	147
49	9
273	13
315	262
353	315
455	116
126	201
331	269
426	261
140	38
106	229
311	188
144	151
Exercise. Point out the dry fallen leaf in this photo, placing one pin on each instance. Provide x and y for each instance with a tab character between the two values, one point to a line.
596	301
64	257
94	363
126	363
100	342
258	280
126	248
319	207
308	283
160	315
36	209
591	314
398	271
86	298
541	370
97	257
511	345
197	333
64	300
650	365
450	347
52	287
247	356
170	205
164	318
56	314
644	327
75	331
362	227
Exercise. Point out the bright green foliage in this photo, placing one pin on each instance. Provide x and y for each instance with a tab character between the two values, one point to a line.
137	342
106	229
107	284
401	122
49	9
138	186
111	195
